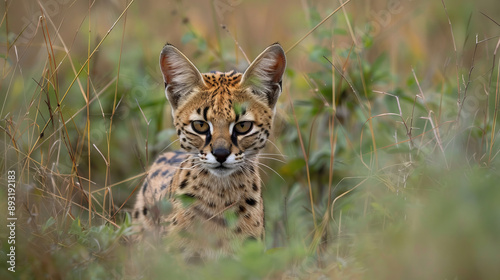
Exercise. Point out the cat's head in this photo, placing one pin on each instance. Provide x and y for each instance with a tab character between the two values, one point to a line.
223	118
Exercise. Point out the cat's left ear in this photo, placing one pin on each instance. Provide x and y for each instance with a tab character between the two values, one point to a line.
265	73
181	77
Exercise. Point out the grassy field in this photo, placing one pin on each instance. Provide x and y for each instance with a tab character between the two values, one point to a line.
386	157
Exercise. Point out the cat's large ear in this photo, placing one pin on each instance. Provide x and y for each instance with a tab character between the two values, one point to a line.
180	75
265	73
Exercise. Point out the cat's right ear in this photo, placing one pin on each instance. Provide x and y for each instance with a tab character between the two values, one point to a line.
180	75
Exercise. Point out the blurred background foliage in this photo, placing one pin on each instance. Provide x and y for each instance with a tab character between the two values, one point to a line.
385	152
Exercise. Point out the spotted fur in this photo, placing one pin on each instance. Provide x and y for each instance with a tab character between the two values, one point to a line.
209	197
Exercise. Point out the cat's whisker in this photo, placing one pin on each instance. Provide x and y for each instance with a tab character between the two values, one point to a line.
279	160
249	176
173	142
244	169
195	166
260	163
268	140
186	168
261	169
199	171
276	172
184	161
196	163
269	154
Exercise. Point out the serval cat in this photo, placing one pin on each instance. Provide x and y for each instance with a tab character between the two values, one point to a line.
213	188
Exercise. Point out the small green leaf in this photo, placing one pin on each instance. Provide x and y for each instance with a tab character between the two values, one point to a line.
165	206
188	37
186	200
239	108
51	221
231	218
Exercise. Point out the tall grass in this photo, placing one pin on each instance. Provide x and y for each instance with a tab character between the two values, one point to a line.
383	163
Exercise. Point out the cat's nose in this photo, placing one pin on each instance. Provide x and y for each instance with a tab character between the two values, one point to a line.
221	154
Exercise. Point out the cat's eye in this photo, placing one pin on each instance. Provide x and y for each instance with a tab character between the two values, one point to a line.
243	127
200	127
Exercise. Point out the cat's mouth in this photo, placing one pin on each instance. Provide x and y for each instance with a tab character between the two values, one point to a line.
221	170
